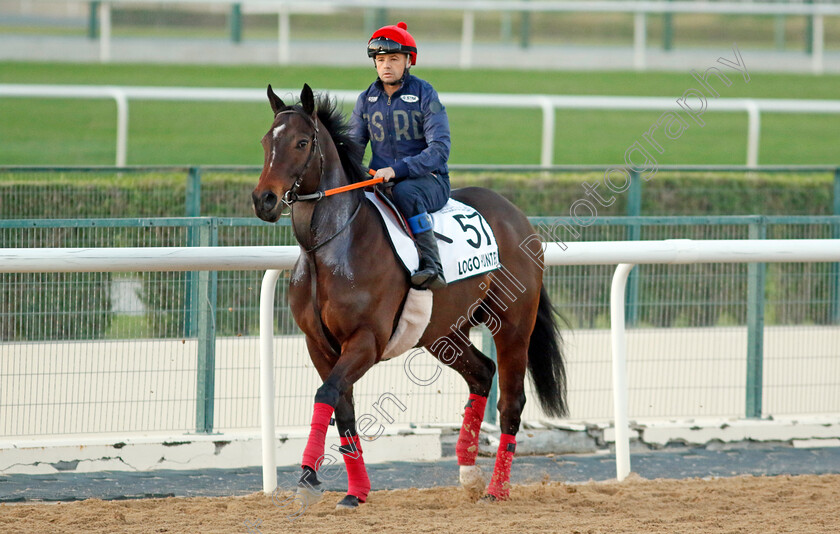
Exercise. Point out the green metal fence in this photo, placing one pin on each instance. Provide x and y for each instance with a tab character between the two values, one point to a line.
186	350
100	352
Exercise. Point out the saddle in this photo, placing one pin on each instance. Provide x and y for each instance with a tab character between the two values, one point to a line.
466	241
383	192
472	250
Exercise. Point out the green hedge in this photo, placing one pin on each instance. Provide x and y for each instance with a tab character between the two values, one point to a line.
86	195
667	193
76	194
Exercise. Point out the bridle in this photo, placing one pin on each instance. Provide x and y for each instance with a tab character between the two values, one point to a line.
291	196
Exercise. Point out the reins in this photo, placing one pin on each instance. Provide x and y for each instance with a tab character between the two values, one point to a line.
318	195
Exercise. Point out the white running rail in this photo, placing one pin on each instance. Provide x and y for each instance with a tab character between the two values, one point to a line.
274	259
753	107
640	9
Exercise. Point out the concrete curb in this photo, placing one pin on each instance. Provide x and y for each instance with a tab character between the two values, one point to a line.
406	443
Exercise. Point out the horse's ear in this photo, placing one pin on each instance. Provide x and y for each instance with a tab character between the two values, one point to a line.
276	103
307	100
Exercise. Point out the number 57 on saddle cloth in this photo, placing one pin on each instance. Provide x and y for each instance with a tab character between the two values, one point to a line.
466	242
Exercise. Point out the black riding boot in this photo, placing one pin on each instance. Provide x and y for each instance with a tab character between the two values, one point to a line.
429	274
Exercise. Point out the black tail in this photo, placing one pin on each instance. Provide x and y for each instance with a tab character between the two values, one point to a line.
545	360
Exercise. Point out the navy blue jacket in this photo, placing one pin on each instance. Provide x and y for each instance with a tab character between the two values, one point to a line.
408	131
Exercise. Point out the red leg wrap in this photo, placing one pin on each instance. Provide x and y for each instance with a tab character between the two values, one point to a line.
500	483
317	435
358	483
467	446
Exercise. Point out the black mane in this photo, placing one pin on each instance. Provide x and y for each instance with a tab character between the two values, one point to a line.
350	152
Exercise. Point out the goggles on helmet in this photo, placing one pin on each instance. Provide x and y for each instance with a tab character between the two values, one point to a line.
383	45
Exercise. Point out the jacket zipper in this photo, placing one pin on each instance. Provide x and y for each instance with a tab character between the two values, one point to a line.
391	134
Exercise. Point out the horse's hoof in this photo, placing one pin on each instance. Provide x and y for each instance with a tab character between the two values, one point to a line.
309	490
307	495
349	502
472	480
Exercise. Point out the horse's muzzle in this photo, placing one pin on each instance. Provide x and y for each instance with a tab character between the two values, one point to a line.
266	206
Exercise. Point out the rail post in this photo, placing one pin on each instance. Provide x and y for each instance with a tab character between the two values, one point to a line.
817	48
756	278
634	233
619	371
753	132
506	27
809	31
206	356
639	40
284	53
835	267
380	17
467	38
668	30
93	19
525	30
104	32
193	209
488	347
267	421
193	200
236	23
779	32
547	149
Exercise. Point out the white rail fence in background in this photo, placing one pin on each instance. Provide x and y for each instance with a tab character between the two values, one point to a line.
547	103
625	254
639	9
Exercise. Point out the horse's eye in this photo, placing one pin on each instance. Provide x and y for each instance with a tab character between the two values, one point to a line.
303	143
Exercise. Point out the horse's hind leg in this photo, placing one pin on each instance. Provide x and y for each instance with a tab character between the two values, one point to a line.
477	370
358	483
512	350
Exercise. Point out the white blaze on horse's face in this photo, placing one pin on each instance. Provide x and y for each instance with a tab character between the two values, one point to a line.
275	133
288	149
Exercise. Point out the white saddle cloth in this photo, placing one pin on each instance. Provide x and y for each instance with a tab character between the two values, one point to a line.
468	247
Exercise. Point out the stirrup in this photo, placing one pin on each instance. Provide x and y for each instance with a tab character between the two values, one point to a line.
433	281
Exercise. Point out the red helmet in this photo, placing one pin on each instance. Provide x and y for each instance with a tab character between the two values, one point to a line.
393	40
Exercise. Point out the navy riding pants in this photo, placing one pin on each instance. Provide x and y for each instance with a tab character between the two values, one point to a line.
415	195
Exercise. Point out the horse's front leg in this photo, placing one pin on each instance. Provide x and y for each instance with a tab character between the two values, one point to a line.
358	483
358	354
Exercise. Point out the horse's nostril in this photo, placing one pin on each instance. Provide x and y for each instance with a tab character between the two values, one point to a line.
264	202
269	200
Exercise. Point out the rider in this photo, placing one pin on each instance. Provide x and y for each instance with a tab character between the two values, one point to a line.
402	118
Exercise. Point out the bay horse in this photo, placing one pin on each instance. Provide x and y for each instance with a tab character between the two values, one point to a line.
347	290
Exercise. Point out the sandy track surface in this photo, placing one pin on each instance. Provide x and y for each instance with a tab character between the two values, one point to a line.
808	504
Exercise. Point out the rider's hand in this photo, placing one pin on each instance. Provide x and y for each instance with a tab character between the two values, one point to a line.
386	174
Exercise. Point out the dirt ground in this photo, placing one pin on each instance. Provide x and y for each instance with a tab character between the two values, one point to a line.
808	504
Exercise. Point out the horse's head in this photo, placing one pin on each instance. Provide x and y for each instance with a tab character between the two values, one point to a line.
293	157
